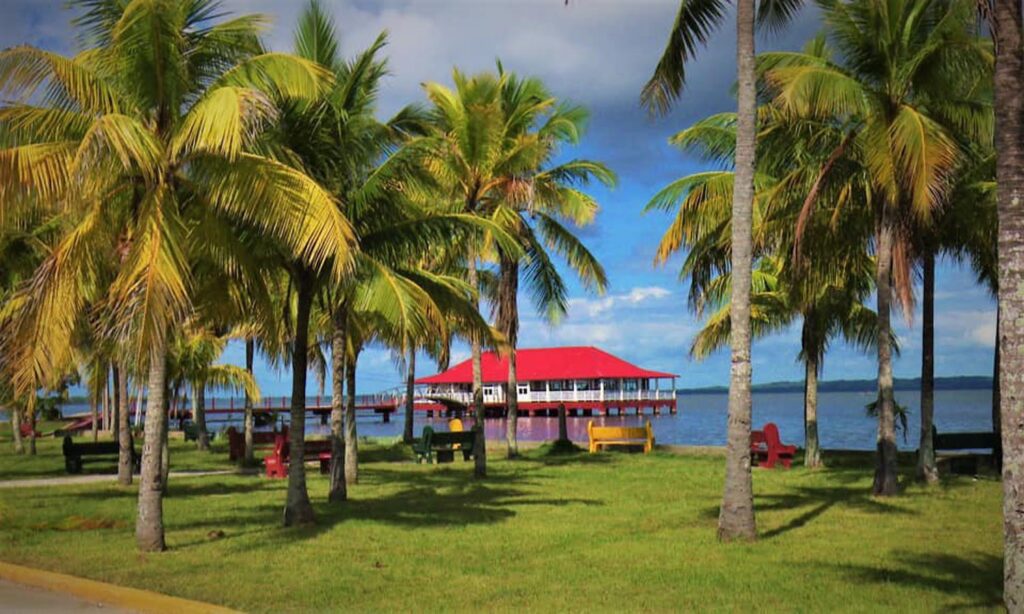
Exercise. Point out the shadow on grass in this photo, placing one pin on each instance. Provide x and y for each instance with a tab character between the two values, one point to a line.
976	578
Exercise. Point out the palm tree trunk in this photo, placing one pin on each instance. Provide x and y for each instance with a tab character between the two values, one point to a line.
997	421
508	323
736	516
199	415
149	523
19	445
812	448
480	441
32	432
351	442
125	464
410	394
250	351
298	510
94	416
338	490
1009	100
885	483
926	467
165	448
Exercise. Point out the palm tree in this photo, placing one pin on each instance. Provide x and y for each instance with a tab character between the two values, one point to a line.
539	196
693	26
825	288
901	96
386	294
1005	18
152	138
191	359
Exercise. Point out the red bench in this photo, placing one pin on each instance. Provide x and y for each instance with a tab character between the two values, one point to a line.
313	450
26	430
260	439
768	446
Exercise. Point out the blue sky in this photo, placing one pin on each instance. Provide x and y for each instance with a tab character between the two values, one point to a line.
597	53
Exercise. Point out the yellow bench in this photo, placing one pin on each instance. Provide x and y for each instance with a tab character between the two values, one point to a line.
620	436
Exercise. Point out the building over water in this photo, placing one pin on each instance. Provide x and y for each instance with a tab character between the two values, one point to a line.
587	380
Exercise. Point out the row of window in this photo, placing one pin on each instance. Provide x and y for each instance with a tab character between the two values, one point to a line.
610	385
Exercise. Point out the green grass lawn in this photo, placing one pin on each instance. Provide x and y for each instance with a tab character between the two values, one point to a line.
49	458
605	532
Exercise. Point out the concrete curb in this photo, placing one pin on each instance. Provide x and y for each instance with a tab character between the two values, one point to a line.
109	594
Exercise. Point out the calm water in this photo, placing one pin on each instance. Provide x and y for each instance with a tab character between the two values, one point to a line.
701	420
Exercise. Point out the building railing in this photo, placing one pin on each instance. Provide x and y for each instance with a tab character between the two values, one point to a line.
557	396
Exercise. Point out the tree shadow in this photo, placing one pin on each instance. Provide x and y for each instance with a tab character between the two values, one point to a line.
434	499
976	578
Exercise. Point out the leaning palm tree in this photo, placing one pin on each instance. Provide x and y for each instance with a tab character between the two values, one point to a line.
693	26
901	95
151	138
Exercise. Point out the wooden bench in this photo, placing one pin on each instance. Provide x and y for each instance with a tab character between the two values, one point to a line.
443	446
260	440
766	445
967	463
75	453
312	450
604	436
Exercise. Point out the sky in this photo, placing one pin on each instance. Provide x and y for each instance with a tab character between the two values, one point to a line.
597	53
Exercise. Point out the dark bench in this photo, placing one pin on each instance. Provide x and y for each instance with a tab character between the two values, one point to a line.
968	463
312	450
443	446
260	439
75	453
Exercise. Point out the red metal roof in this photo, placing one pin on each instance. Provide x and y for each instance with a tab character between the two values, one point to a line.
545	364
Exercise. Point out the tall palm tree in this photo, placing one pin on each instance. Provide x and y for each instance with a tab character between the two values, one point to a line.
152	138
540	197
825	288
1005	18
694	24
908	84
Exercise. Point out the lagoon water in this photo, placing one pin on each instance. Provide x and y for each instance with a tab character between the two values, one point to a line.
842	421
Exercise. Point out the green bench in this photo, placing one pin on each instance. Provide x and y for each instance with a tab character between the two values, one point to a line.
442	446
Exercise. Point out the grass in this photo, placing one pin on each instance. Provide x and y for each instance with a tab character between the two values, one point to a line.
549	532
49	459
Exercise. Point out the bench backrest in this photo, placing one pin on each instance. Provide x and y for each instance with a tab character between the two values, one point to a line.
618	432
460	437
966	441
771	436
282	447
757	439
71	448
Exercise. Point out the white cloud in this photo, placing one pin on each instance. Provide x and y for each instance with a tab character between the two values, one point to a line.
594	307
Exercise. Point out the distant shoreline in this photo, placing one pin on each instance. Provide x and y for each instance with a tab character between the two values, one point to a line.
964	382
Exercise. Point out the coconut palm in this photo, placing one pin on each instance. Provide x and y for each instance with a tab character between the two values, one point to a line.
388	295
191	359
825	288
693	26
1004	18
539	199
152	139
907	87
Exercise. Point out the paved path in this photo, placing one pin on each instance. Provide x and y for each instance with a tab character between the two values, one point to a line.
20	598
70	480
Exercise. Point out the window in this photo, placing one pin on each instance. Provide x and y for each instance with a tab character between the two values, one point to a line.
537	386
630	385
